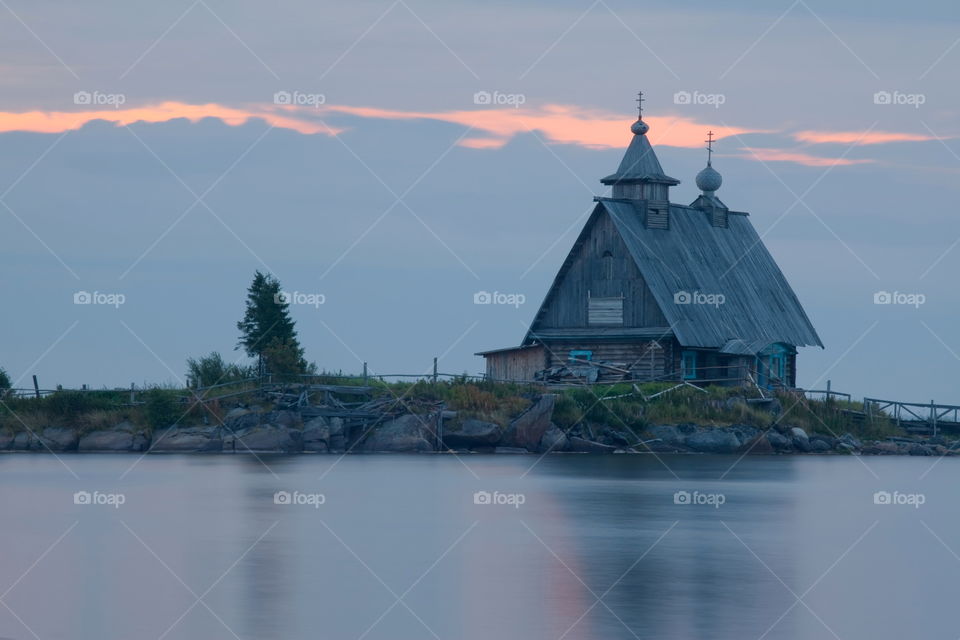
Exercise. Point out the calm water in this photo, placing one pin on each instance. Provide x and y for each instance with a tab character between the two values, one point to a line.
199	549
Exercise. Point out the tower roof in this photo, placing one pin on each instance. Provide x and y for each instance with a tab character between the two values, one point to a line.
640	163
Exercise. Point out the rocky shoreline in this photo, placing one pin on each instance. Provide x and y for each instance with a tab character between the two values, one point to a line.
248	429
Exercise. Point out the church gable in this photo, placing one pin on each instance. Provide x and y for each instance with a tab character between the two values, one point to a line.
599	285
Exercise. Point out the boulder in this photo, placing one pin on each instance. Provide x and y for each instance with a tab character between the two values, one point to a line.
24	441
882	449
800	439
472	433
580	445
59	439
409	433
845	447
554	439
6	440
758	446
266	438
188	440
778	441
528	428
316	435
714	440
240	419
919	450
819	445
288	419
112	440
673	435
851	440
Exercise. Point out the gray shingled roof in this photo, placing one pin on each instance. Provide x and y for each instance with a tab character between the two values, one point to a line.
693	256
639	163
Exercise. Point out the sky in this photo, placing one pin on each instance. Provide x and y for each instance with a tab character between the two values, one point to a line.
389	160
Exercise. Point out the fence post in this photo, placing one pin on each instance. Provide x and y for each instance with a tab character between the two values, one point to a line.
364	373
36	387
434	370
933	417
132	396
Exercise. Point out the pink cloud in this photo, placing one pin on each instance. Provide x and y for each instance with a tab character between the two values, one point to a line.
858	137
799	157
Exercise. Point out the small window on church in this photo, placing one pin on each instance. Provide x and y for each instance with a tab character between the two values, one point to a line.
608	265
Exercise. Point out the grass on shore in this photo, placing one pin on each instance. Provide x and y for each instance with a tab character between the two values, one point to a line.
622	407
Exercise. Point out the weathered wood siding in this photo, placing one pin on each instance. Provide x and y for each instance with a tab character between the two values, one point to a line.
516	364
602	265
646	359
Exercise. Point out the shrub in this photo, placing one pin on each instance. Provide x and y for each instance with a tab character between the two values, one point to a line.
162	408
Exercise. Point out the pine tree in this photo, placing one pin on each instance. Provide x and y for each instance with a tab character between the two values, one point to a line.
267	326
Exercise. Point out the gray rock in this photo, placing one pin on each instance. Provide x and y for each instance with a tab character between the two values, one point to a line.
288	419
187	440
580	445
818	445
673	435
851	440
554	439
758	446
6	440
265	438
920	450
409	433
714	440
510	450
241	419
528	428
59	439
845	447
778	441
472	433
24	441
316	435
112	440
800	439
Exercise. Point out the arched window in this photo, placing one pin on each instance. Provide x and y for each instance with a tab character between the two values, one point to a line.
608	265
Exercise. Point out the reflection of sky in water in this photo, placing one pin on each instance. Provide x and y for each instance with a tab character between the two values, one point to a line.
407	527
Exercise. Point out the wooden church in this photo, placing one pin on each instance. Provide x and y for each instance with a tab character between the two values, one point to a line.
655	290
